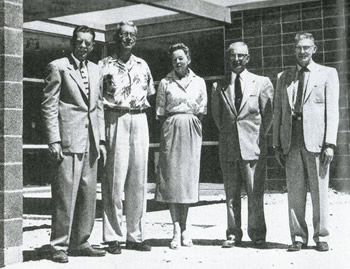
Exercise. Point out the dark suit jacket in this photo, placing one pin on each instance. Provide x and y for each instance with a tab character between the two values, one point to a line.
67	111
242	132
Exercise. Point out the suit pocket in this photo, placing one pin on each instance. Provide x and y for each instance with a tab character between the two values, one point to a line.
66	134
253	104
318	93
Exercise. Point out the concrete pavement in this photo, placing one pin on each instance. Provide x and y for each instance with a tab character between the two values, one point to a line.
208	224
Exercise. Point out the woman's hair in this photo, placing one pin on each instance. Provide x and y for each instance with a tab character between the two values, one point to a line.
180	46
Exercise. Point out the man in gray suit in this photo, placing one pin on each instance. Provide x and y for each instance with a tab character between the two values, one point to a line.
242	110
306	117
73	117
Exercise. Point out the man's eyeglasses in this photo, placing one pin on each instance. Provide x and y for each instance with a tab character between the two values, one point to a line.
126	35
304	48
239	56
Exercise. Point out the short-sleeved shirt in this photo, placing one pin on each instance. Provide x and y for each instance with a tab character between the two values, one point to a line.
126	85
174	96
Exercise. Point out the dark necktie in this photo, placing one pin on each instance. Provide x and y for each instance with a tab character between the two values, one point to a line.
301	78
84	76
238	93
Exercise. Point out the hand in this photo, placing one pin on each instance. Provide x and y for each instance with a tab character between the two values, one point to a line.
55	152
280	157
103	152
327	155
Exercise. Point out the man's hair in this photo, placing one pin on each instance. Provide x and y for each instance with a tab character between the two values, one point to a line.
241	43
180	46
82	29
116	36
301	36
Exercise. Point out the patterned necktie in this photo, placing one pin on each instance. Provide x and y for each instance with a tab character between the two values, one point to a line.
238	93
301	78
84	76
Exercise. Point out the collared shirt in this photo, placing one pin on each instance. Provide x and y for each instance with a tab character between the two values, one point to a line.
126	85
77	62
188	95
242	77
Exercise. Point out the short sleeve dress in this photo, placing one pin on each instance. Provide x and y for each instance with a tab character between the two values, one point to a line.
181	137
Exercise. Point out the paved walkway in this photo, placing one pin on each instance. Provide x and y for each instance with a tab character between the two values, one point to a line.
208	224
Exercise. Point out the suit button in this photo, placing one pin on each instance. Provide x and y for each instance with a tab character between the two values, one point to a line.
86	125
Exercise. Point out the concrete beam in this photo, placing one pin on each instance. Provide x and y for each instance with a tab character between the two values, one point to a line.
43	9
193	7
254	4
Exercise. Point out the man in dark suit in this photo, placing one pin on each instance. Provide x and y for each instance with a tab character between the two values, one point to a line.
73	117
242	110
306	117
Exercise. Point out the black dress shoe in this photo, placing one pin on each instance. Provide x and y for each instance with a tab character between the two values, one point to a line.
59	256
322	246
89	251
140	246
114	247
296	246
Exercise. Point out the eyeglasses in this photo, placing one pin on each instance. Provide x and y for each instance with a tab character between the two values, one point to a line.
304	48
127	34
239	56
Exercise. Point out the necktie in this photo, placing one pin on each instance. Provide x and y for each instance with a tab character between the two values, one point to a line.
301	78
84	76
238	93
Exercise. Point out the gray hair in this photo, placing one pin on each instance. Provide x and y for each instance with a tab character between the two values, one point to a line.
241	43
116	37
301	36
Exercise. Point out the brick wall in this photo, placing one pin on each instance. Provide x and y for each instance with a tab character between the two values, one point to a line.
270	32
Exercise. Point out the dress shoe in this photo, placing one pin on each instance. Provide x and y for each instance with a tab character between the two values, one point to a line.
114	247
186	240
59	256
322	246
231	242
140	246
89	251
260	243
296	246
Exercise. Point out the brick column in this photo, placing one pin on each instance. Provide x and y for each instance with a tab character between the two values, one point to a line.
11	183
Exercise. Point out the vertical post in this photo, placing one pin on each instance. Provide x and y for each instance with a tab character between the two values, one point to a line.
11	102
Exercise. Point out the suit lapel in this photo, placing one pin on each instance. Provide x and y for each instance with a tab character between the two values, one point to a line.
93	79
291	85
76	76
249	85
229	95
310	83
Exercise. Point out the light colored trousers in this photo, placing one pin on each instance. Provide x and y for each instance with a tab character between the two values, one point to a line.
74	200
303	168
126	171
252	175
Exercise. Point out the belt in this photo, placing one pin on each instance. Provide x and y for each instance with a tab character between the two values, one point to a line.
129	110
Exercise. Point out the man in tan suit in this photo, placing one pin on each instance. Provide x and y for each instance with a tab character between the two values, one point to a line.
73	117
242	110
306	116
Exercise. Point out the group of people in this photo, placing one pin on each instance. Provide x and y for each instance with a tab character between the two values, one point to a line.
97	114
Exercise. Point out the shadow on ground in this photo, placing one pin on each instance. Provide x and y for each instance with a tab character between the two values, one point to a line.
42	206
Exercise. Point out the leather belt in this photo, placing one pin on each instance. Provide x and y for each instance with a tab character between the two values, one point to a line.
129	110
